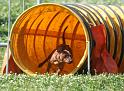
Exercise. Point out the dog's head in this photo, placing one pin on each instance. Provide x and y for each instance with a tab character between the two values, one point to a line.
65	53
63	56
67	58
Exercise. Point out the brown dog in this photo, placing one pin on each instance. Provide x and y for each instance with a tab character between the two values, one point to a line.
62	54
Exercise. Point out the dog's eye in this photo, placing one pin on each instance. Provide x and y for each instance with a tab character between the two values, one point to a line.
66	55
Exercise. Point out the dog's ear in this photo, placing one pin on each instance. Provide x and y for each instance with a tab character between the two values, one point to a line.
63	47
60	48
69	48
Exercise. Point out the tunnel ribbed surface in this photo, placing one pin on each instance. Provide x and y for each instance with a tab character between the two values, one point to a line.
39	30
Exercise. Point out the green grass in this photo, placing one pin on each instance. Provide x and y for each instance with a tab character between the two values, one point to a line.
62	83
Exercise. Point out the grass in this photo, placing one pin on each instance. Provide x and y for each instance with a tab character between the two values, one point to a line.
62	83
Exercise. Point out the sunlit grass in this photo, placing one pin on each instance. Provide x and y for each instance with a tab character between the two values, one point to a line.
62	83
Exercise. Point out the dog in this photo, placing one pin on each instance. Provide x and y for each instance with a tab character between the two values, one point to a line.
60	55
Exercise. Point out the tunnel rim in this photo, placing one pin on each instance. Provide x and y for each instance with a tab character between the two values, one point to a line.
84	57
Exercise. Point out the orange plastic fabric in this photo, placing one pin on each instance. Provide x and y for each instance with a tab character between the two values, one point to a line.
39	30
101	60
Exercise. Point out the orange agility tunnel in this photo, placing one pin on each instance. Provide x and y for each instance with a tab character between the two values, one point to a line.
38	31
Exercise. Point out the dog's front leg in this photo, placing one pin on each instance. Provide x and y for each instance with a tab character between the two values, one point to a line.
60	67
